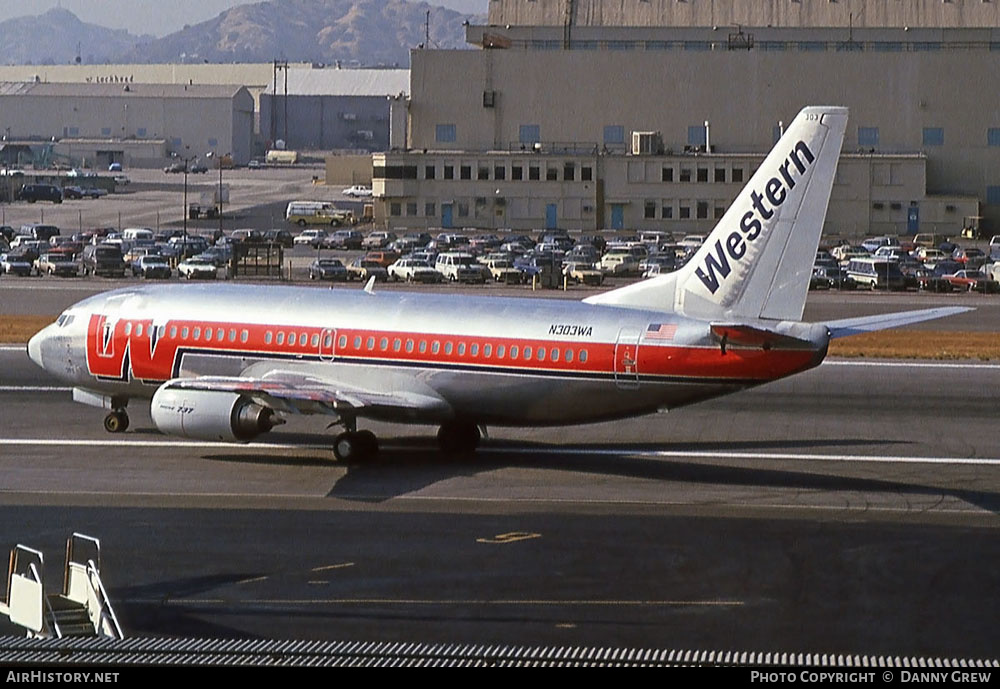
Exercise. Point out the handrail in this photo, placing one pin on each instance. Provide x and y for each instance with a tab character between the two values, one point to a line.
48	606
12	567
106	609
70	547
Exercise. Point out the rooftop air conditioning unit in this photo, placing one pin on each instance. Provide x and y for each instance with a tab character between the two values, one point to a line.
647	143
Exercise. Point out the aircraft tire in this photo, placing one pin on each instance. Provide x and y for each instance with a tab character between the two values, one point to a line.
116	422
458	437
351	448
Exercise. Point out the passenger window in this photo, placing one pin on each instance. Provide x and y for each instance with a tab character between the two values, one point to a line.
541	353
184	333
342	341
487	350
513	352
128	328
409	345
554	354
160	331
196	334
138	329
244	336
281	338
435	347
220	334
268	337
569	355
474	350
583	356
423	346
232	336
527	353
208	334
447	348
501	350
314	342
397	344
173	331
371	343
384	343
357	342
303	338
291	338
461	349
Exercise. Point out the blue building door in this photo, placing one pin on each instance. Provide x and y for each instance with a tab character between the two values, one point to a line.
913	219
617	216
446	216
551	216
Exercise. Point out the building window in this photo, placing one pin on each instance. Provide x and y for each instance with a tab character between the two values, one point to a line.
702	210
719	212
569	172
868	136
463	209
534	173
444	133
430	209
993	195
696	135
529	134
685	174
140	132
499	172
586	173
516	172
411	208
667	211
993	136
395	209
449	172
649	210
737	174
684	212
667	174
720	175
484	172
933	136
212	143
429	172
466	172
105	131
175	142
552	174
614	134
703	174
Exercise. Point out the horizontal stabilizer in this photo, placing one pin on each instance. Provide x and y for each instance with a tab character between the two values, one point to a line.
867	324
745	335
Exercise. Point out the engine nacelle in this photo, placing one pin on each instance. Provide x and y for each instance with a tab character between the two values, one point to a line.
209	415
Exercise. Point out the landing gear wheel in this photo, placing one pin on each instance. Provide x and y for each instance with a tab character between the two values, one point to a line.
458	437
359	446
116	421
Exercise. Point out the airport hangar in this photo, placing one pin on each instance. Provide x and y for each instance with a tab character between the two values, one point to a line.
592	114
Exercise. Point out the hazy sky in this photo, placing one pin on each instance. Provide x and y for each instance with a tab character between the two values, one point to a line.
159	17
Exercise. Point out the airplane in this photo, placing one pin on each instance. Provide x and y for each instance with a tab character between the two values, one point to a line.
230	362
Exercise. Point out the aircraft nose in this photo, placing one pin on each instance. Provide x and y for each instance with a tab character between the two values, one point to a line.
35	346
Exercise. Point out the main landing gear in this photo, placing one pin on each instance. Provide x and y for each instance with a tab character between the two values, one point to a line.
354	446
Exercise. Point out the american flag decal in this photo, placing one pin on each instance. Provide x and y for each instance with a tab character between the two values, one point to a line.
661	331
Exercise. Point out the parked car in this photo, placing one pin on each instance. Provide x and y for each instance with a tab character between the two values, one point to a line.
378	240
152	266
313	238
362	269
414	270
282	237
122	180
40	192
344	240
75	192
197	268
583	273
457	266
175	168
115	167
328	269
358	190
103	259
198	169
973	281
15	263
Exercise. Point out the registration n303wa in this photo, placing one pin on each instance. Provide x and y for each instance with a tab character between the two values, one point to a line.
229	362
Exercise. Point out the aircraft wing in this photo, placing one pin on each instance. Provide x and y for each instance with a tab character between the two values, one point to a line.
866	324
301	394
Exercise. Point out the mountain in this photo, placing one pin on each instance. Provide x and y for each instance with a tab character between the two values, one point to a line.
53	37
371	32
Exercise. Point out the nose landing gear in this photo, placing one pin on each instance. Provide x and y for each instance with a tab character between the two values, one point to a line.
116	421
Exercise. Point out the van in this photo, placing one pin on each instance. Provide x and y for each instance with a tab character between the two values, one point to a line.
929	240
102	259
130	234
39	231
876	273
304	213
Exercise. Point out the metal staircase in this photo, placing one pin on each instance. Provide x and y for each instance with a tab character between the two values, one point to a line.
81	609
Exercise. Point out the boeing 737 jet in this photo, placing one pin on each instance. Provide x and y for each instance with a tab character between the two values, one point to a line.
229	362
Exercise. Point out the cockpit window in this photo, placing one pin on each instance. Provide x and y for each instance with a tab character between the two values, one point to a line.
64	320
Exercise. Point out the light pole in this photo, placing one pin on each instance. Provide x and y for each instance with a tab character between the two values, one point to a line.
218	159
186	160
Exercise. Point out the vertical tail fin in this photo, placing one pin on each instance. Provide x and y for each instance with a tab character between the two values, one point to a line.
757	261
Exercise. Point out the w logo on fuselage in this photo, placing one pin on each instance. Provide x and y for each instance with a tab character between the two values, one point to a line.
117	348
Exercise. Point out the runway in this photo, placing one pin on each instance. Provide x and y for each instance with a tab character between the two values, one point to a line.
850	509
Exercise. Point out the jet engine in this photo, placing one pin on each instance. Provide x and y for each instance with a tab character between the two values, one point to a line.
210	415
